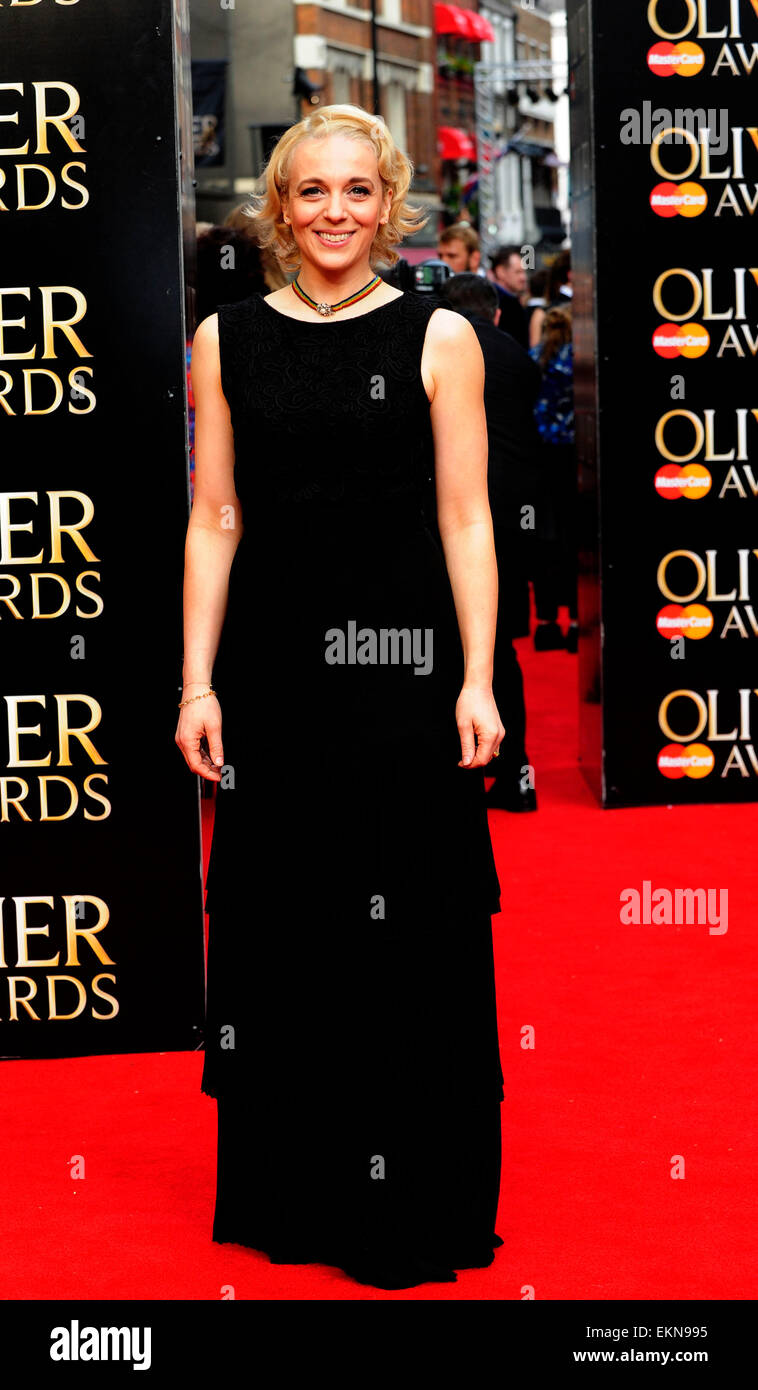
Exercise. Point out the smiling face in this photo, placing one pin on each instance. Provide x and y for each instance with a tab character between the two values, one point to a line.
335	202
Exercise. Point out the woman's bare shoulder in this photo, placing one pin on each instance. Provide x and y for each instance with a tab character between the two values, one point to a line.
450	329
451	342
205	358
207	329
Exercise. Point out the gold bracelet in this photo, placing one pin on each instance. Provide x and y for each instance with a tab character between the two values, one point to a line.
182	703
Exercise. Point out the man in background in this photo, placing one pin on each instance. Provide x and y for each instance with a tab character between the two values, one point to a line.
459	247
511	384
512	286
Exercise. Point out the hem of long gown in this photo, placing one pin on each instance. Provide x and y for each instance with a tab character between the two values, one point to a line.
438	1072
383	1269
378	1268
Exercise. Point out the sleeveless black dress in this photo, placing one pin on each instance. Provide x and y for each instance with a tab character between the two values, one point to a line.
351	1032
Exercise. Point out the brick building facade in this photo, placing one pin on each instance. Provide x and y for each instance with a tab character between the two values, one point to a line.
333	46
425	56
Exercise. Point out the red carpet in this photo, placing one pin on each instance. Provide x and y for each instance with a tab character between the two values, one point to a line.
643	1051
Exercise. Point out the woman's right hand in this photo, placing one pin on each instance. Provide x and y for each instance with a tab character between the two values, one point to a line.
198	735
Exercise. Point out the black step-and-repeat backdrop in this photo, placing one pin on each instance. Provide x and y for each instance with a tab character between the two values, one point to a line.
101	918
664	178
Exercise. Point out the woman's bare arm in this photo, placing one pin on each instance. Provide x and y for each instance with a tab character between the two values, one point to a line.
213	534
459	426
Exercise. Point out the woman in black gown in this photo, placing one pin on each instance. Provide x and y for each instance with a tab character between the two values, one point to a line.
338	668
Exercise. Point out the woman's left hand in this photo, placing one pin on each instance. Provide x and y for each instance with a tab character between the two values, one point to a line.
479	725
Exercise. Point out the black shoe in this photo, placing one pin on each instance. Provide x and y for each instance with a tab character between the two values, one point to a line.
548	638
572	638
510	796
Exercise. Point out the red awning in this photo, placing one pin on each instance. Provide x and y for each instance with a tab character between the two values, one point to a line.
467	24
453	143
482	29
451	19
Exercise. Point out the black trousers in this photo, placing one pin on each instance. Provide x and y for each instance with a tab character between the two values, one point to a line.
555	576
507	680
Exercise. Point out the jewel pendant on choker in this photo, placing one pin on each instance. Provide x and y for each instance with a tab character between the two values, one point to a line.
328	310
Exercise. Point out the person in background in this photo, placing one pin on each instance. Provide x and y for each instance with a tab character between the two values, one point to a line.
510	281
558	293
556	581
459	247
559	288
511	385
509	270
536	300
273	274
228	269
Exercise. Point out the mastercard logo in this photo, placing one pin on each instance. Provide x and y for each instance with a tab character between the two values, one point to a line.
693	621
692	760
682	59
681	340
678	199
672	481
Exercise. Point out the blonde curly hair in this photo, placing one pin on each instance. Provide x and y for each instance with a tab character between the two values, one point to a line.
395	172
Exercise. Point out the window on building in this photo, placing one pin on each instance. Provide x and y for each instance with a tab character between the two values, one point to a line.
395	94
500	51
542	184
392	11
340	87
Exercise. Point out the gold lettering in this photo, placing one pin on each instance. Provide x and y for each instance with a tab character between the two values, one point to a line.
23	931
88	593
655	157
6	527
67	731
44	119
69	528
700	572
7	599
53	1014
699	436
697	295
73	931
73	800
101	994
6	801
700	706
65	325
97	796
713	733
652	19
34	580
15	730
14	1000
13	120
